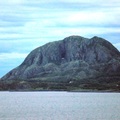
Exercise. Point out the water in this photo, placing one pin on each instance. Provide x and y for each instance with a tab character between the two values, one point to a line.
59	106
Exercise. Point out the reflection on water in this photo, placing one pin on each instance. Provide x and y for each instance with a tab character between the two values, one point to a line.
59	106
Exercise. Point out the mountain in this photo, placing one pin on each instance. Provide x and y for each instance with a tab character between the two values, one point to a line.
74	60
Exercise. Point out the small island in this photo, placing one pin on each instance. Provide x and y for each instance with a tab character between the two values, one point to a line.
72	64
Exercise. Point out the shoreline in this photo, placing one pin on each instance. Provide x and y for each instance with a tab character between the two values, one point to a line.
75	91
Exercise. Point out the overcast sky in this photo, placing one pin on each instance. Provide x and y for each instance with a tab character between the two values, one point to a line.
27	24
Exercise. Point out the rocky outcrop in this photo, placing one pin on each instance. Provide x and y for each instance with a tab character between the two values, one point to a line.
73	58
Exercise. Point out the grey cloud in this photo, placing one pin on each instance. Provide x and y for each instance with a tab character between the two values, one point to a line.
14	18
8	32
74	5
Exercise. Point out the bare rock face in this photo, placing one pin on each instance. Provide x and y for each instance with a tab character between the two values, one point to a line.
73	57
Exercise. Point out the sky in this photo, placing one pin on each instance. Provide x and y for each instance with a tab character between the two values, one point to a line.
27	24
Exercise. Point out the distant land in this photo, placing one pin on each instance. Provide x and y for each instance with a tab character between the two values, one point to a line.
72	64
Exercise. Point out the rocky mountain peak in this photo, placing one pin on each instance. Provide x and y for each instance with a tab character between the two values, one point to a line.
72	53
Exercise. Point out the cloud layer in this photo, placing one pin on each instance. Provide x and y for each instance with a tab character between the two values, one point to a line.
27	24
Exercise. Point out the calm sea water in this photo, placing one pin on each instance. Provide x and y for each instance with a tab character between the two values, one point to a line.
59	106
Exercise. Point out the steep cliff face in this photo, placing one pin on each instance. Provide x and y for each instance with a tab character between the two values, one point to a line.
73	57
